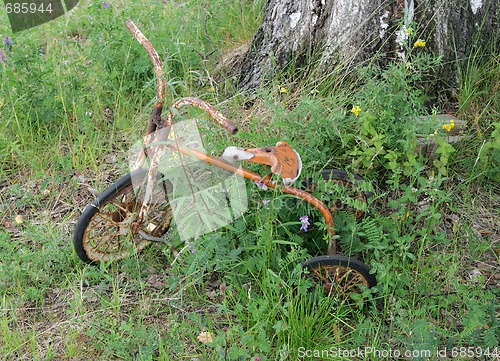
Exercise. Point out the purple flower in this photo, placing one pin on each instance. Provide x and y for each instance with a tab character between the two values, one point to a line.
2	56
305	223
105	5
8	42
191	247
265	202
261	185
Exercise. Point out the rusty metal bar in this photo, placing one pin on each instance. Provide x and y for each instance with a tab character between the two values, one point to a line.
309	198
214	113
155	121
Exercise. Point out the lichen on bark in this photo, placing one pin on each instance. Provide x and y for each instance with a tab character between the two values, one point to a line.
298	31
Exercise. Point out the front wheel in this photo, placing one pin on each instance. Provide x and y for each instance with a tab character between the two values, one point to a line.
108	229
339	274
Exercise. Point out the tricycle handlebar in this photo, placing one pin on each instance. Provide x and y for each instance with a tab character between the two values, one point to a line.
155	59
156	121
214	113
158	66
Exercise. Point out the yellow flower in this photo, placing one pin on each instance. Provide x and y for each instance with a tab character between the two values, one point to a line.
419	43
283	89
409	31
356	110
449	126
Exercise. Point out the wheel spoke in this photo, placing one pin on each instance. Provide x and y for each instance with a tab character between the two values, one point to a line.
100	226
120	205
339	275
100	241
107	218
111	232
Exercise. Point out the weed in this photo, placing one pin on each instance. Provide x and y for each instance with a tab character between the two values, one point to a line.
75	94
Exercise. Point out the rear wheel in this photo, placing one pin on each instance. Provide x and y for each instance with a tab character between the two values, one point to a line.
108	229
346	195
339	275
340	191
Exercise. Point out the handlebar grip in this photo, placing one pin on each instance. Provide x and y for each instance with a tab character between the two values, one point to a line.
232	128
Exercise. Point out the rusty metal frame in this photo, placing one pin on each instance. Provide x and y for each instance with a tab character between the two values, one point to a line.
156	152
242	172
155	121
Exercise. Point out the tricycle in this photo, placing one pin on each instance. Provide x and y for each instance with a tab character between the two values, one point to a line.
138	209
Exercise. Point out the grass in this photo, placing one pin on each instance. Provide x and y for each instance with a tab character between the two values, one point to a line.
76	93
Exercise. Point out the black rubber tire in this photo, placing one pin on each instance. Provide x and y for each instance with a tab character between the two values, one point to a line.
122	186
359	269
342	175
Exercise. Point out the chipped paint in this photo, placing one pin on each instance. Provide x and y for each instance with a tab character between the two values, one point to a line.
232	154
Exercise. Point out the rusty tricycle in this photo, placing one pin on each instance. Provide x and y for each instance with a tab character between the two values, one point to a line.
139	208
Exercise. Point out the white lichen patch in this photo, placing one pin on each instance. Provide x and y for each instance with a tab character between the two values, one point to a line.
402	36
314	19
294	19
383	24
476	5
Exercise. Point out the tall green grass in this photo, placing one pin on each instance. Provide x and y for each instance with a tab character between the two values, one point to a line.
77	92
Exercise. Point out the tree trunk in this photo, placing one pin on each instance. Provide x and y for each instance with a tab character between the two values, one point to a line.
298	31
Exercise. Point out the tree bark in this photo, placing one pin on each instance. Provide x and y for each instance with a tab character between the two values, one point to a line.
299	31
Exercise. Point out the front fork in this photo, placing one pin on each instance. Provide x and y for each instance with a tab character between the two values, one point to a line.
155	152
